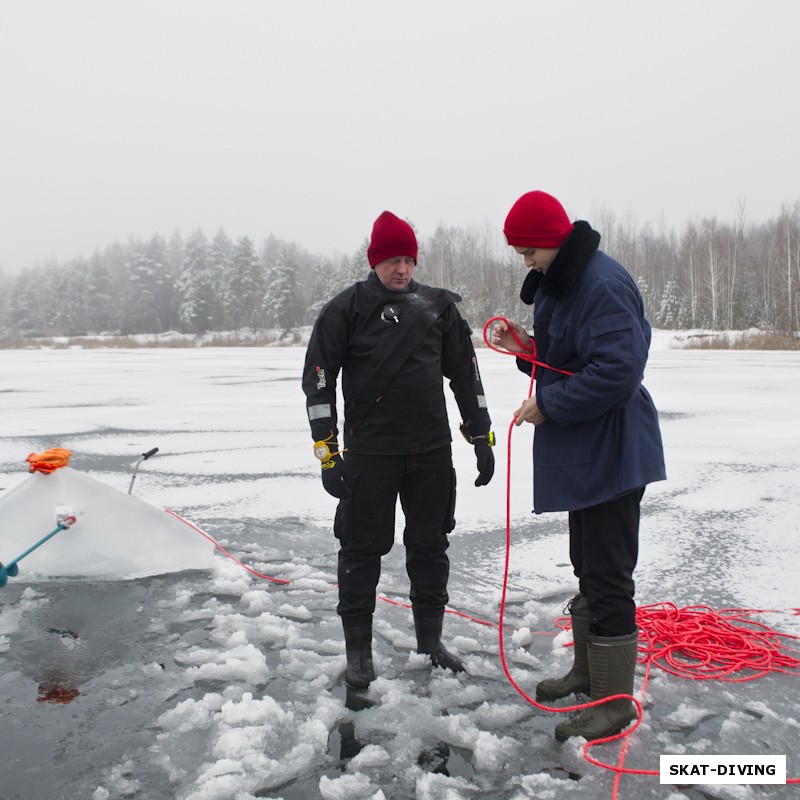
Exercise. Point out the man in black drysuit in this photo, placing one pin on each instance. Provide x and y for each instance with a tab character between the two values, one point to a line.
393	340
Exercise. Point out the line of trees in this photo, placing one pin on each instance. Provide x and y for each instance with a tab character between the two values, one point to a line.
711	275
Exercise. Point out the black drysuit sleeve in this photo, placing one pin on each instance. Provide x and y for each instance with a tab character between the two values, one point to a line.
324	358
460	366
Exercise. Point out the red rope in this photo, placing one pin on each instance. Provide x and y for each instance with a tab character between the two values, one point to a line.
503	661
698	643
694	642
529	353
287	582
49	461
223	550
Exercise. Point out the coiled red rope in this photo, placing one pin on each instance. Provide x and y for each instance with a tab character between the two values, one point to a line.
49	461
698	643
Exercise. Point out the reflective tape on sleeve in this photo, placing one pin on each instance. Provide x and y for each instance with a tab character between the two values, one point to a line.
319	412
482	401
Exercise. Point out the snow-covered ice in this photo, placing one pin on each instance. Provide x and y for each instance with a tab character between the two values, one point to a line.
217	684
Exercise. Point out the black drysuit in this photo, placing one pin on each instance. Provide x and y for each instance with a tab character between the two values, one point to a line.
393	350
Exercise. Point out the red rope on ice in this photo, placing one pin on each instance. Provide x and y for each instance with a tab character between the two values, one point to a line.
503	661
223	550
698	643
288	582
694	642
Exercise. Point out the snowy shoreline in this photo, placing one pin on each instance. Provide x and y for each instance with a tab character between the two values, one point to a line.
298	337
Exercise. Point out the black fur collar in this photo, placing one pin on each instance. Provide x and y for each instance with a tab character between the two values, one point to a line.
567	266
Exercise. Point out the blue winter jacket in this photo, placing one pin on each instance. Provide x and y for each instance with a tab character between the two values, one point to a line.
601	437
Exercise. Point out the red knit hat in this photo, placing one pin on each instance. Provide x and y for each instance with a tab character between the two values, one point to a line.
391	236
537	219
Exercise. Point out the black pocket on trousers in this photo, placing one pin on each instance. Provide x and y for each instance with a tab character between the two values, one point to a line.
344	521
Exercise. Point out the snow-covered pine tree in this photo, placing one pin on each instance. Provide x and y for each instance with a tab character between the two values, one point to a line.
196	286
220	268
103	295
26	303
151	288
244	291
327	283
281	302
74	299
669	313
356	268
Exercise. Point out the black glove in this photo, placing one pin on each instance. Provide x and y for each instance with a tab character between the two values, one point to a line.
485	456
337	477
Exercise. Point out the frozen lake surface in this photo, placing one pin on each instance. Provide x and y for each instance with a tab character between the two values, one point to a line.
220	685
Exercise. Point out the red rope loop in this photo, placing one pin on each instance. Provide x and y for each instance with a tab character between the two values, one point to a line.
529	350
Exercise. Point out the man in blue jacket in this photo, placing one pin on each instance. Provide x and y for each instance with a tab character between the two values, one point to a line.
597	442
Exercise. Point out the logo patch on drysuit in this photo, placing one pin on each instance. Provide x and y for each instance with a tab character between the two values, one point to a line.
475	368
321	380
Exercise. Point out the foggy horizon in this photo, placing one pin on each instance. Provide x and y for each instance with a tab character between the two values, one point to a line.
306	121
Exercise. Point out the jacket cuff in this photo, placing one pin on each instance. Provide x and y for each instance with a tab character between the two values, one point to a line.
322	429
469	430
541	406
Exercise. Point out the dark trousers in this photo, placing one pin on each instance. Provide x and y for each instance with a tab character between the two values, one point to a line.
604	548
364	525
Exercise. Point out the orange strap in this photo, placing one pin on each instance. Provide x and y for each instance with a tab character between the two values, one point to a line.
49	460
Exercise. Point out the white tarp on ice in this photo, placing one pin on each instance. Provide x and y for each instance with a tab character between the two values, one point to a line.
115	533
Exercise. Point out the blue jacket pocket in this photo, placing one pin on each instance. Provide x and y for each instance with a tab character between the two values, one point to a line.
609	324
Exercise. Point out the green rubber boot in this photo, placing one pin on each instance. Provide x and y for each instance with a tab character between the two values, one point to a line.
612	663
358	645
428	627
577	679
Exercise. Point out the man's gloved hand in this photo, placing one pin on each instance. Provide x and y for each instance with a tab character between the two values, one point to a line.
337	477
485	456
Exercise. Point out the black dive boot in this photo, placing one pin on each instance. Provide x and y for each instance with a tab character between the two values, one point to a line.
358	644
612	663
577	679
428	627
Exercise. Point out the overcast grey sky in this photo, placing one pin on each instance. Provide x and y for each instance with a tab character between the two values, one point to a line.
307	118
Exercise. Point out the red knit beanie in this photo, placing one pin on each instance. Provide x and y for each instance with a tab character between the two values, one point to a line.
537	219
391	236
